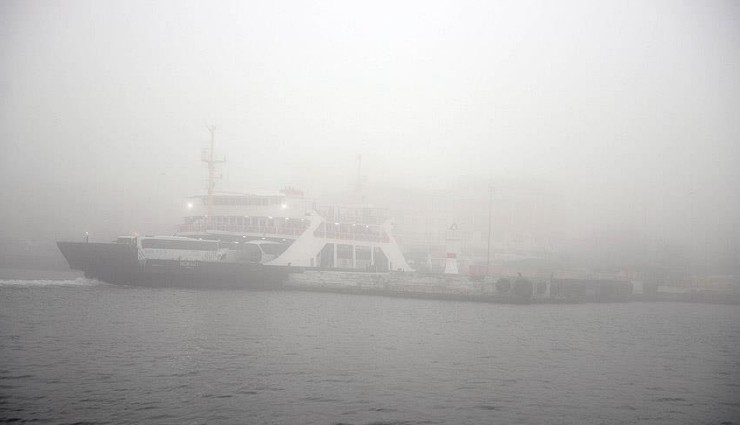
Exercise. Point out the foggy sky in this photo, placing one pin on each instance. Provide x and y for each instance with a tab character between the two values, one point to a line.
630	110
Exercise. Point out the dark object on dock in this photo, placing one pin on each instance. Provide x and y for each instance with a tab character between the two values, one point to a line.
522	290
503	285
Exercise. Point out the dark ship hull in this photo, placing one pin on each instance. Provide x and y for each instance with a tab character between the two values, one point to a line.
119	264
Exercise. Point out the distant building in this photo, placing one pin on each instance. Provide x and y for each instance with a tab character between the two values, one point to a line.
523	222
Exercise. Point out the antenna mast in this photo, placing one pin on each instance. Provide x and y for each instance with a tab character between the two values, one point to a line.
208	159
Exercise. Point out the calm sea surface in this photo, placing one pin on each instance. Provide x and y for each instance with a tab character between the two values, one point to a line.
81	351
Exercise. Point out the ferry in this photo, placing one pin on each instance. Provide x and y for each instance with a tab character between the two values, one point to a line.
246	240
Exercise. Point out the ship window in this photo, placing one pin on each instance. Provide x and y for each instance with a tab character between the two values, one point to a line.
194	219
344	252
362	253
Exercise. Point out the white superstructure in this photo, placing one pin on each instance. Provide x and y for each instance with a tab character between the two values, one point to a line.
300	232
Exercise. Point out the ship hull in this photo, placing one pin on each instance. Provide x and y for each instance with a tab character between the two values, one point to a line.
120	264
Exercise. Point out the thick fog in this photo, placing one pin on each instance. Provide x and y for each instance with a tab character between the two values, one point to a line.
626	113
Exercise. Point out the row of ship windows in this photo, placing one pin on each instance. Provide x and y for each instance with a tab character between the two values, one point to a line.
345	252
349	228
230	200
250	221
193	245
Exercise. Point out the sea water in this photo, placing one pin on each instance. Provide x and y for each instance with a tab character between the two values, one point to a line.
80	351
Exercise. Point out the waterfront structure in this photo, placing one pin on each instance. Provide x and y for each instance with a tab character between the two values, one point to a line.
509	223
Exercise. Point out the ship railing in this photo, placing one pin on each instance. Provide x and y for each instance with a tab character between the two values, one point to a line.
349	236
271	230
353	219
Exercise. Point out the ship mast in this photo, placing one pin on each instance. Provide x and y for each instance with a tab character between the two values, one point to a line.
208	159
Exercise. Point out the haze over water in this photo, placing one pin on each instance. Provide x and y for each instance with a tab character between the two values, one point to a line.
626	113
83	352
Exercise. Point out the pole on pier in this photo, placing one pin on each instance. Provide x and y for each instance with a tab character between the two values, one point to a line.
488	250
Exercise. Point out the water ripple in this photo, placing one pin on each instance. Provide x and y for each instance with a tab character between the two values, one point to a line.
82	352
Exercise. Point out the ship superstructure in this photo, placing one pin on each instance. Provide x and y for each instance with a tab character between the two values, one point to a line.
305	232
281	216
302	231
